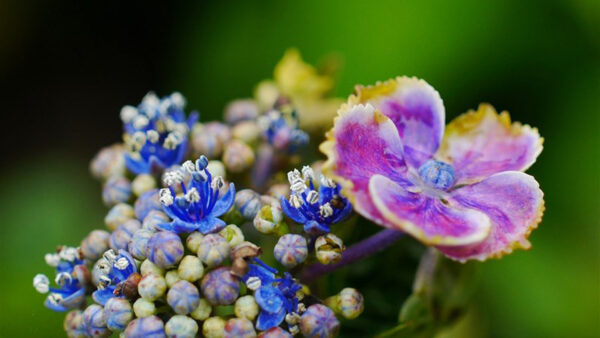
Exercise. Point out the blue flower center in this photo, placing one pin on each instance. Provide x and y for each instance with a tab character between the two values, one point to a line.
437	174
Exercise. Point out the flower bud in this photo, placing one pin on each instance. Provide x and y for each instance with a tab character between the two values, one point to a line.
202	311
246	131
95	321
193	241
209	139
349	303
118	215
213	327
181	327
130	286
190	268
74	325
266	93
143	183
119	239
183	297
213	250
110	161
319	321
152	287
239	327
95	244
216	168
143	308
275	332
147	202
329	249
172	277
279	190
291	250
246	307
139	242
153	219
165	249
145	327
148	267
248	203
268	218
238	156
116	189
118	313
233	234
220	287
240	110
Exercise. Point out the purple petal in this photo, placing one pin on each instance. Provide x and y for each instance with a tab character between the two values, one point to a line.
514	203
415	108
481	143
425	217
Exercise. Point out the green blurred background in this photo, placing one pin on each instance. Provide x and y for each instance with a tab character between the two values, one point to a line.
67	68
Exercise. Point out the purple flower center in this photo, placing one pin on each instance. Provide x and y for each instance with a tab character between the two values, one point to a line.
437	174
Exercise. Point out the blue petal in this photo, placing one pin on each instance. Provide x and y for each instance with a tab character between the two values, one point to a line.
269	298
179	226
266	277
102	296
210	225
347	210
136	166
267	320
192	119
315	228
292	212
224	203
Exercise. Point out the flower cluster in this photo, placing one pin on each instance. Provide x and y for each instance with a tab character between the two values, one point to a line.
177	261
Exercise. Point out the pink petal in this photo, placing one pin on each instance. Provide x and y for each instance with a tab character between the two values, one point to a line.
415	108
479	144
515	204
425	216
362	143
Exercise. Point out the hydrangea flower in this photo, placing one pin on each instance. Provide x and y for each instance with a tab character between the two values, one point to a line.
156	133
202	201
71	277
282	131
115	271
276	297
316	209
462	191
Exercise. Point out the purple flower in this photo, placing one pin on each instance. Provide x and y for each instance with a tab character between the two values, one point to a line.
202	202
462	191
114	272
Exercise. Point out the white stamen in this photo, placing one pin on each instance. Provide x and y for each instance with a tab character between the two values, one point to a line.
164	106
253	283
41	283
173	140
308	173
173	177
69	254
312	197
52	259
326	182
166	198
189	166
181	128
138	140
294	330
178	99
298	186
128	113
140	122
293	176
169	124
301	308
217	183
325	210
121	263
103	282
292	318
54	298
152	136
104	266
192	196
62	278
295	201
110	256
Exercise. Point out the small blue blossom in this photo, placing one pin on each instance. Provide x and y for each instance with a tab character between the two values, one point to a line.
282	131
202	202
114	270
316	210
276	297
156	133
71	277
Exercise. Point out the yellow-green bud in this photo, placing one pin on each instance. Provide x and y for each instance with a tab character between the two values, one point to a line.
190	268
172	277
143	308
202	311
233	234
268	218
148	267
246	307
213	327
142	183
349	303
329	249
193	241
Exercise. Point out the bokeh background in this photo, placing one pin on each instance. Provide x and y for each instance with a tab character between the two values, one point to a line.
68	66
